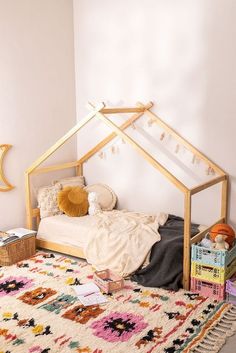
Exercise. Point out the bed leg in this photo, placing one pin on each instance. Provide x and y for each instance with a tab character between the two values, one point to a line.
187	232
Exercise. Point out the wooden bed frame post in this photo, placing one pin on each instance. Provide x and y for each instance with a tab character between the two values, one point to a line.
28	202
79	169
224	199
187	238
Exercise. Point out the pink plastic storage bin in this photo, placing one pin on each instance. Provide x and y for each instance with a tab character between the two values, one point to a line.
231	290
213	257
108	281
208	289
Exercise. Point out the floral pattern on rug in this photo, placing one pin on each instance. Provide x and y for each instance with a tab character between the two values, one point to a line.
49	318
37	295
151	336
13	285
118	327
37	328
83	314
60	303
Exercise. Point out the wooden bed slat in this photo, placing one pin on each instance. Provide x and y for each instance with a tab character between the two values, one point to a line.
207	184
198	237
69	250
55	167
123	110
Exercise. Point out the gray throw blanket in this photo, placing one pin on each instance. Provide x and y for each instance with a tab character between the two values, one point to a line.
165	269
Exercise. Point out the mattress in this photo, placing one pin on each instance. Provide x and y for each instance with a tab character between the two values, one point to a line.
118	239
71	231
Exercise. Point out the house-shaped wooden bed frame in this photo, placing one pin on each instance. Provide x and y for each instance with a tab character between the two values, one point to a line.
99	112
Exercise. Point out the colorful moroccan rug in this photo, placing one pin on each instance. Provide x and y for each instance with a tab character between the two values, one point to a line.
40	313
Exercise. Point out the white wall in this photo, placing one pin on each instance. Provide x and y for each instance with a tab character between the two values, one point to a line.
37	93
180	54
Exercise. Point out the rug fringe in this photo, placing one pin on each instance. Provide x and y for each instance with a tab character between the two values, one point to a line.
217	335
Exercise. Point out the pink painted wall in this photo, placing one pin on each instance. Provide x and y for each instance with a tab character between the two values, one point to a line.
37	91
180	54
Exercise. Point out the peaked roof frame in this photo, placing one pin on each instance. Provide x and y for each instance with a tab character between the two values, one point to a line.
100	111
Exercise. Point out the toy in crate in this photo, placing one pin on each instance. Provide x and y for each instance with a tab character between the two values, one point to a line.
222	235
231	290
108	281
213	257
213	262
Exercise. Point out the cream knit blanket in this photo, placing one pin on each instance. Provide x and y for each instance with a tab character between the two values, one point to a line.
122	240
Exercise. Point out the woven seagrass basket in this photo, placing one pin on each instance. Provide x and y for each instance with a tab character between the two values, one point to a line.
18	250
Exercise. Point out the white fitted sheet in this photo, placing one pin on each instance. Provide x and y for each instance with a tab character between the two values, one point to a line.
72	231
118	239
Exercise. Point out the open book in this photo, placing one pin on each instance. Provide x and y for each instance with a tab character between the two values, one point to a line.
14	234
89	294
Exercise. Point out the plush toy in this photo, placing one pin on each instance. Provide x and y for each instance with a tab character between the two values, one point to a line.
206	242
94	207
224	229
220	243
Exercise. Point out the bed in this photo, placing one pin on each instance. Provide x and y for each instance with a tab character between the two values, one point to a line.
119	239
161	261
100	112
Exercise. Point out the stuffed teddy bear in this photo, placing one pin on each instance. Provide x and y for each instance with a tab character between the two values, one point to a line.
94	207
220	243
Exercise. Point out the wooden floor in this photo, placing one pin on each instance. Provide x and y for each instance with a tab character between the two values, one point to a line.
230	346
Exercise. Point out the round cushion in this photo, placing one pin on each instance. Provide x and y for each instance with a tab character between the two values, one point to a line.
224	229
73	201
106	196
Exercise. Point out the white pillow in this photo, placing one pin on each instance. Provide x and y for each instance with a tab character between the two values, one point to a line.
71	181
106	196
47	200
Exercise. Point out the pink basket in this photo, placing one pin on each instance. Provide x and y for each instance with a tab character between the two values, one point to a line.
108	281
208	289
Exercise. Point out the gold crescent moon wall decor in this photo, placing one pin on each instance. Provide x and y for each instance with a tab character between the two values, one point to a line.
7	186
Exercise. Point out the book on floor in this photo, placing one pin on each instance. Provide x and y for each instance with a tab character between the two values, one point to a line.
89	294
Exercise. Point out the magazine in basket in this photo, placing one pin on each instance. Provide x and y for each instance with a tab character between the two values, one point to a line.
11	235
